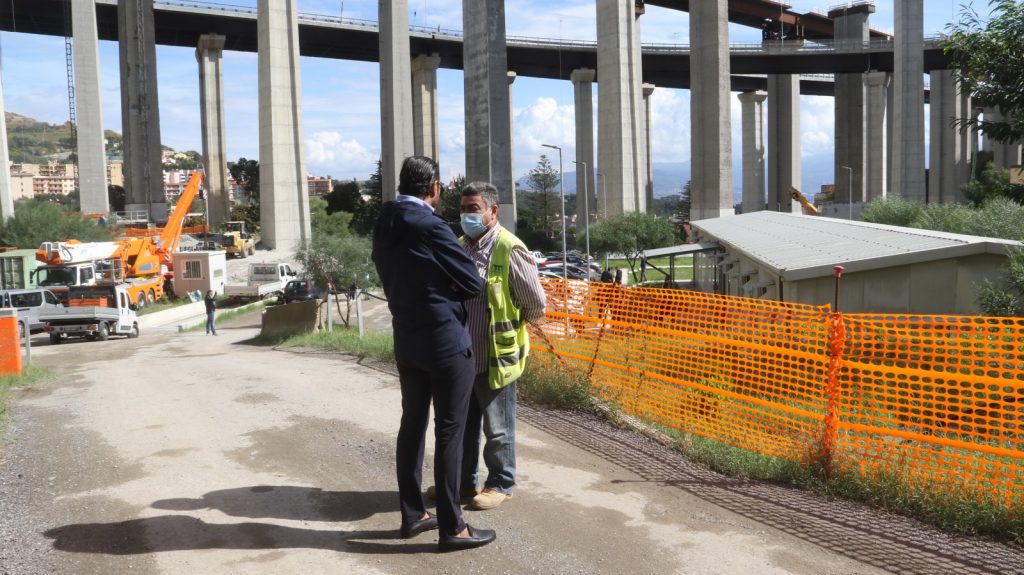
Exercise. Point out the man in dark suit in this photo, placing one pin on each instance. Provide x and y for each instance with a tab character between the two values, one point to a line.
427	278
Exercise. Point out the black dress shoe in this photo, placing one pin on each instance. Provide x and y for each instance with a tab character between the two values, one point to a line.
413	529
477	538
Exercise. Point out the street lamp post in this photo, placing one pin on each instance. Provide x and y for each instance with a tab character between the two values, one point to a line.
850	171
586	208
561	191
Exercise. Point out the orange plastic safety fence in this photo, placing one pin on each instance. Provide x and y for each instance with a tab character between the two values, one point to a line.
932	400
10	343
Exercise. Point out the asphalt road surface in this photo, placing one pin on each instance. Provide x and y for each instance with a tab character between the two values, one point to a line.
187	453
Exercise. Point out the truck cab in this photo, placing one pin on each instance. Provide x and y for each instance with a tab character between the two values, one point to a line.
95	312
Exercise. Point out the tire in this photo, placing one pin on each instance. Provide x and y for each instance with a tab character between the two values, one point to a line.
242	253
55	338
141	303
102	333
252	251
21	330
134	333
152	296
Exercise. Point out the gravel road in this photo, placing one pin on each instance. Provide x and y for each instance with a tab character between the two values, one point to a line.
187	453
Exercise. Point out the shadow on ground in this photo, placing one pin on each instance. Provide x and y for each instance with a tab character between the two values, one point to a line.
182	532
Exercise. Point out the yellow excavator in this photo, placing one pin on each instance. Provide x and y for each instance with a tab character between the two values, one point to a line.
237	240
809	208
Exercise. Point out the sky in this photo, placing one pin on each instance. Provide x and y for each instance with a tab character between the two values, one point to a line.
341	99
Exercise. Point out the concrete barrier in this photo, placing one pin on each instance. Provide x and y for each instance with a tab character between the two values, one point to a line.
10	342
298	317
187	314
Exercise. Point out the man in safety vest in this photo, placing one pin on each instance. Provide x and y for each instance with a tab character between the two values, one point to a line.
497	322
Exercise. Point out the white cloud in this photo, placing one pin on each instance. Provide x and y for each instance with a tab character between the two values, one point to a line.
331	153
817	127
545	121
670	125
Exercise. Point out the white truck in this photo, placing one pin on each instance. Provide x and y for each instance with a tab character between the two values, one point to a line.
93	312
265	280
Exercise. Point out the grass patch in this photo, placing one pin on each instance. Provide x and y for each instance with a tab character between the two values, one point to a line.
683	272
163	304
375	345
31	374
545	383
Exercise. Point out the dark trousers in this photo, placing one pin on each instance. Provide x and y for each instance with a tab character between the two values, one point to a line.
449	381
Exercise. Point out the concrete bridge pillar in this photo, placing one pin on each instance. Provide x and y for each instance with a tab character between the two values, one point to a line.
488	125
648	180
424	105
1003	155
583	84
140	110
852	32
876	135
710	120
620	120
753	151
396	109
6	193
950	152
210	55
908	179
511	146
284	200
783	142
92	157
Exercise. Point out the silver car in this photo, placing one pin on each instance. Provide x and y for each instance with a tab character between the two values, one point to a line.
31	304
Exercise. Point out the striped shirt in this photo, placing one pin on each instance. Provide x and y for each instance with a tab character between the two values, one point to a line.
524	286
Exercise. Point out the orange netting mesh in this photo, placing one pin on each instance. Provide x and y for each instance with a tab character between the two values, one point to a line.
936	400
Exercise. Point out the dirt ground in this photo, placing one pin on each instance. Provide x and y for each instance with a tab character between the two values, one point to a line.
188	453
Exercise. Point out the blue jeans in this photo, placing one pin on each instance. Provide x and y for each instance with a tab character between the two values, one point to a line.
496	410
210	328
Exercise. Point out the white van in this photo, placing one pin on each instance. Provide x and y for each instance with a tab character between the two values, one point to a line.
31	304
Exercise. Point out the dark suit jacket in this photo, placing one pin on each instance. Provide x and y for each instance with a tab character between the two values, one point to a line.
427	276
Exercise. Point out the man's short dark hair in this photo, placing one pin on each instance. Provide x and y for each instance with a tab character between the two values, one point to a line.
418	173
483	189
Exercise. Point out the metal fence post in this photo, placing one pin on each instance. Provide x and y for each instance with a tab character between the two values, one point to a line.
359	310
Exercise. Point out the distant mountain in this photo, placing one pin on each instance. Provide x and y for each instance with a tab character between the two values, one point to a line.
30	141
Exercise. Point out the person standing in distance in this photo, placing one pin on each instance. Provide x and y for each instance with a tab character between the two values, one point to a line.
211	310
427	278
497	324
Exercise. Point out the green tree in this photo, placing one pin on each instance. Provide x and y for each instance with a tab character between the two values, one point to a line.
345	197
988	61
117	198
340	262
37	221
247	174
993	182
892	211
366	217
451	203
248	213
538	205
325	223
1009	301
630	234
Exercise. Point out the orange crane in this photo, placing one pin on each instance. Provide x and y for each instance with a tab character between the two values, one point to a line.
141	263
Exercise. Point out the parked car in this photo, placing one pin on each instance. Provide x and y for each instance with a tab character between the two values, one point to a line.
31	304
538	257
300	290
571	271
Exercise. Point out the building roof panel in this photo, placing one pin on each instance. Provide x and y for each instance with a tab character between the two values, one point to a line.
801	247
